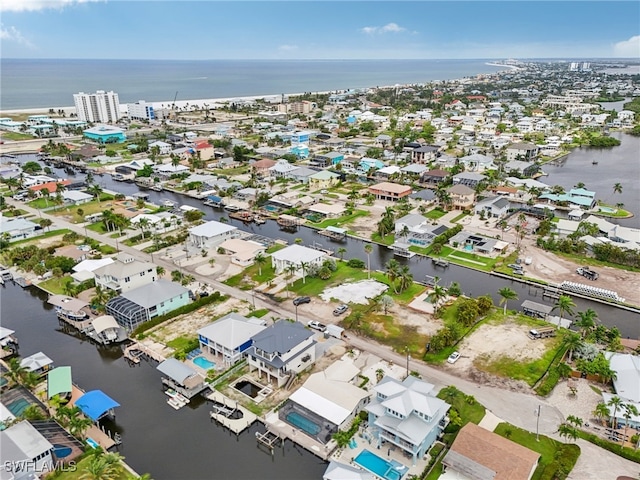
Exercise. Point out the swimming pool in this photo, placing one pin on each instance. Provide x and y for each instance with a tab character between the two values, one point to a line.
60	451
468	248
303	423
271	208
379	466
203	363
607	210
18	407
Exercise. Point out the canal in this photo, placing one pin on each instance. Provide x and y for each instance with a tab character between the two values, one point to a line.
157	439
472	282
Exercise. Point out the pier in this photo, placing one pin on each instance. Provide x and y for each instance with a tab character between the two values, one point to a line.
135	351
440	262
229	413
269	439
334	233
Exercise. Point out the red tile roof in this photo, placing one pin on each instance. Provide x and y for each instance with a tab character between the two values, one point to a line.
51	186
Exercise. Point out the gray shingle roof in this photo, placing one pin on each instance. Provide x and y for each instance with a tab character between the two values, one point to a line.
154	293
281	337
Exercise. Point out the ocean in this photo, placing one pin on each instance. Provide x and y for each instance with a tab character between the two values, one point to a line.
28	84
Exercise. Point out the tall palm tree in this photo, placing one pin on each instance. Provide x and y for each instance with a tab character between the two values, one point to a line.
406	277
586	321
46	194
143	224
16	371
564	304
601	412
260	259
101	468
630	410
572	340
45	223
341	252
95	190
291	269
617	187
78	425
616	403
506	294
436	295
368	248
304	266
393	271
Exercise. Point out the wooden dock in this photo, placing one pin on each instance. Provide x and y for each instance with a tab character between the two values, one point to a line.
131	355
440	262
269	439
223	410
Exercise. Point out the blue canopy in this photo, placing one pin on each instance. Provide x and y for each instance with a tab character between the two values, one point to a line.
214	198
95	404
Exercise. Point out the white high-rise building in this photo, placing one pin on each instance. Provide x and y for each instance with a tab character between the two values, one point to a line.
140	110
96	107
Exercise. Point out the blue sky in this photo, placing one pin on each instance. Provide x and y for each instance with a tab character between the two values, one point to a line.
318	29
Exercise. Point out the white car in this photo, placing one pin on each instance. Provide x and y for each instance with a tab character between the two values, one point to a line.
453	358
317	326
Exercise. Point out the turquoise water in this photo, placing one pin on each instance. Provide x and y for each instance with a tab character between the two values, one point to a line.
294	418
18	406
468	248
203	363
607	210
60	451
377	465
271	208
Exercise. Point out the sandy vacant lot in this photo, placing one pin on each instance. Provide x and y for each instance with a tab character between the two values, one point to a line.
491	342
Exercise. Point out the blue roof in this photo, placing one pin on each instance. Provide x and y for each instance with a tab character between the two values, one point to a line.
95	404
214	198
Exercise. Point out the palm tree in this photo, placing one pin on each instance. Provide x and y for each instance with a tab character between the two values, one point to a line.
69	289
587	320
100	296
304	266
379	374
406	277
355	321
341	252
573	420
102	467
572	340
393	271
143	224
45	193
630	410
506	294
436	295
567	431
617	187
45	223
291	269
368	248
160	271
95	190
564	304
601	412
260	259
616	403
16	371
386	302
78	425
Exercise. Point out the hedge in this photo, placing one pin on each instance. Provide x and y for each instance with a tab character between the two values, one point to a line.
201	302
624	452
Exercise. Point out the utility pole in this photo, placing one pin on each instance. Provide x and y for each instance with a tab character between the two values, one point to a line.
537	414
406	349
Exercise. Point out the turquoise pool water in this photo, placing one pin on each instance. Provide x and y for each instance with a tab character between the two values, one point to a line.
378	466
271	208
18	406
303	423
60	451
203	363
607	210
468	248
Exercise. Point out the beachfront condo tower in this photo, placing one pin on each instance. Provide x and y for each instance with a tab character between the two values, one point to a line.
99	107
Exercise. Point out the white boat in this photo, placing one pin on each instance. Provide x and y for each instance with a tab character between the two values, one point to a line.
168	204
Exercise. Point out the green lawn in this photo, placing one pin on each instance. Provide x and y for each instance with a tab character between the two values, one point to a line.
386	240
251	276
49	234
555	457
259	313
435	214
55	285
41	203
466	405
341	221
230	172
97	227
79	470
459	217
16	136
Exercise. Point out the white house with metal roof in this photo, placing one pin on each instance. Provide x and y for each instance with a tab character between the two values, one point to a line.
125	274
23	445
230	336
211	234
296	255
406	415
18	228
37	363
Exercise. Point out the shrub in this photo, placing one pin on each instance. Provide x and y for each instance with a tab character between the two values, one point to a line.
356	263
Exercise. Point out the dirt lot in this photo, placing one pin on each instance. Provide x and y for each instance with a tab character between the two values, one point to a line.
492	342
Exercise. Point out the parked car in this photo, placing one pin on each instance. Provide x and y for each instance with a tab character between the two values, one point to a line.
453	358
300	300
317	326
340	309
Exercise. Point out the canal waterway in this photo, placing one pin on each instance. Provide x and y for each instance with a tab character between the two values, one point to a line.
472	282
169	444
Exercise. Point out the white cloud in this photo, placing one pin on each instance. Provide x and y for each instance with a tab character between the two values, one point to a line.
287	48
388	28
627	48
12	34
36	5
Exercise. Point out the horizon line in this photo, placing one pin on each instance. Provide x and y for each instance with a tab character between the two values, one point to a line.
322	59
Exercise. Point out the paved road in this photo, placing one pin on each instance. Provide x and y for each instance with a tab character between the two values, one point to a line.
513	407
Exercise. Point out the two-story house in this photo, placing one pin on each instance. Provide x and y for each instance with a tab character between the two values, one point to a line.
24	446
406	415
462	197
125	273
281	351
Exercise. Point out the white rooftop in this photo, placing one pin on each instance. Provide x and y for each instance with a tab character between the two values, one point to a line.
211	229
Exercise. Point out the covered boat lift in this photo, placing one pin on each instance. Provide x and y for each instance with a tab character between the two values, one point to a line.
59	382
96	405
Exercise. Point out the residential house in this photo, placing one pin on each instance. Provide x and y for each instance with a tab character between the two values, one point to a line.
160	222
470	179
424	154
417	230
524	169
406	415
626	383
84	270
10	170
18	228
242	252
211	234
477	162
203	149
327	159
415	170
388	172
261	167
389	191
462	197
434	177
52	187
281	351
125	274
163	147
323	179
493	207
365	164
341	471
302	174
296	256
522	151
76	252
24	446
479	453
134	307
247	194
327	210
477	243
74	197
282	169
229	337
166	170
329	398
576	198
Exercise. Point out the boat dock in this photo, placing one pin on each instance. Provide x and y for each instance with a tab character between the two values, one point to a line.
242	215
334	233
283	430
440	262
23	282
135	351
269	439
229	413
